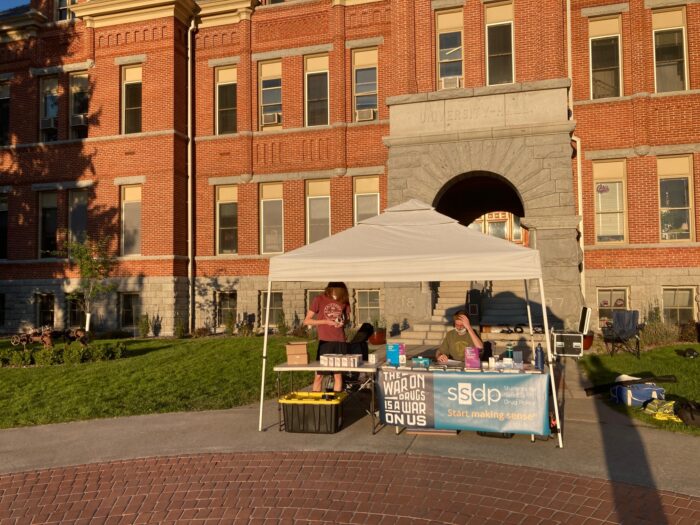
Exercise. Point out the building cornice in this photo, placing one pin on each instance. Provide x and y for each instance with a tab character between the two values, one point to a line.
214	13
104	13
21	26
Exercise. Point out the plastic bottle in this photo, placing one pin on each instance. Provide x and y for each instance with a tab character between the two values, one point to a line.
539	357
509	350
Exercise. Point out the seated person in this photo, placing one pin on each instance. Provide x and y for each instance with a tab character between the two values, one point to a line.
455	341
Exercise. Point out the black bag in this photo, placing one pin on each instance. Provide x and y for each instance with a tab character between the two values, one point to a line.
689	412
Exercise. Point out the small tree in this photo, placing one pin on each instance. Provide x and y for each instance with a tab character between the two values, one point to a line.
95	264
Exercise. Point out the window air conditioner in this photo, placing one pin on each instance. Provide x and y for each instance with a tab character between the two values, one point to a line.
49	123
79	120
362	115
271	118
450	82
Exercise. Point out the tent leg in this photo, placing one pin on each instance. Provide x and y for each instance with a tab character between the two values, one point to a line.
547	340
264	363
529	318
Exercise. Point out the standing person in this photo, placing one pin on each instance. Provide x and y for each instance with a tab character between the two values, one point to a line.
455	341
328	313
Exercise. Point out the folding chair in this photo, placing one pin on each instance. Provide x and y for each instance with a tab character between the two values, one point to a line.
623	333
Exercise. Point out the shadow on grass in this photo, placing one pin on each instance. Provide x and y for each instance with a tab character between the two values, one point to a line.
135	352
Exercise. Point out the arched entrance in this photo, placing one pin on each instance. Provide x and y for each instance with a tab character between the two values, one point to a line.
484	201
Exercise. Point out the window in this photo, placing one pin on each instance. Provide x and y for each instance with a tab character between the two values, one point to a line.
366	197
609	300
364	63
63	11
48	224
77	215
48	122
79	100
271	94
675	197
227	219
4	114
131	99
449	48
669	50
316	90
367	306
130	309
678	305
226	100
3	226
605	57
499	44
271	214
610	197
2	309
226	307
318	210
275	307
131	220
44	309
311	295
76	314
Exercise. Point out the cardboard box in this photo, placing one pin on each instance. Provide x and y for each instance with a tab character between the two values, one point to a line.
297	353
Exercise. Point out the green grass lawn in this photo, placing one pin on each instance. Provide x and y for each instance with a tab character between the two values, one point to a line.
158	375
602	368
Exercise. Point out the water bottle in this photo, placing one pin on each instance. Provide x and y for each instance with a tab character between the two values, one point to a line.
509	350
539	357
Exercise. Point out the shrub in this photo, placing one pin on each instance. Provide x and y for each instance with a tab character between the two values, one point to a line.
5	355
282	326
202	331
687	333
21	358
144	326
302	331
658	333
180	328
96	352
74	354
45	357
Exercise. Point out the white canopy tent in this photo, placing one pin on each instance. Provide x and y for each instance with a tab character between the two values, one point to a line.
409	242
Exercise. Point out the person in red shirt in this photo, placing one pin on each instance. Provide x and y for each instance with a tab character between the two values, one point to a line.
329	313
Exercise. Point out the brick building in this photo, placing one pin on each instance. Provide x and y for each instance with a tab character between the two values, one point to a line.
203	137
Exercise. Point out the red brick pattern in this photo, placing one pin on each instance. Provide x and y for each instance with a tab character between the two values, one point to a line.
328	487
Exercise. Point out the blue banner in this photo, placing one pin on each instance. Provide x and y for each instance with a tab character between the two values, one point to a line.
491	402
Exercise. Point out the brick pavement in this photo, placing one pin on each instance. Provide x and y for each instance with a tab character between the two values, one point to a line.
328	487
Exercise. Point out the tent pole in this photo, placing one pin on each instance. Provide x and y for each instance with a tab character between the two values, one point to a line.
529	319
262	381
547	341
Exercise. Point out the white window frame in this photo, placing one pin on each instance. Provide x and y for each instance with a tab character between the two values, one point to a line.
263	305
124	83
611	289
37	299
356	68
218	217
619	61
71	104
262	224
693	303
136	313
355	194
439	32
123	202
512	52
308	215
260	91
71	207
69	13
601	179
306	94
309	300
685	51
41	213
42	104
691	199
5	95
357	305
216	96
220	319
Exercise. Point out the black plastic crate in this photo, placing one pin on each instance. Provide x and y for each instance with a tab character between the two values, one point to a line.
313	412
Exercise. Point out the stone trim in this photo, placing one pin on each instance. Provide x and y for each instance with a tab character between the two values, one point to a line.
292	51
67	185
225	61
272	177
6	189
448	94
6	77
129	60
105	13
644	246
349	3
230	257
552	223
384	122
206	138
364	42
127	258
436	5
45	260
66	68
124	181
602	10
490	133
283	131
643	151
655	4
367	170
146	134
286	3
643	94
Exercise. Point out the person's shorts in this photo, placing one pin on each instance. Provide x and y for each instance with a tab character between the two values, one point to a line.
331	347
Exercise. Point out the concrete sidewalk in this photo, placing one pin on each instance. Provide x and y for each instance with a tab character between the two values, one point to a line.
598	442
